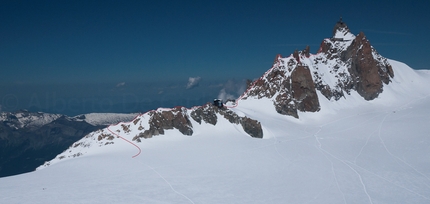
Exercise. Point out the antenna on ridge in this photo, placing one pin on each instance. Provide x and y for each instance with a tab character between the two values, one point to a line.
340	20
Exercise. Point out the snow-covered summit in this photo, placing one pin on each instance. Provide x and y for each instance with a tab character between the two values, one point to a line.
344	63
341	32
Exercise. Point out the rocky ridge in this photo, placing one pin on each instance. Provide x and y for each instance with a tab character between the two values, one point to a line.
156	122
179	118
344	63
25	119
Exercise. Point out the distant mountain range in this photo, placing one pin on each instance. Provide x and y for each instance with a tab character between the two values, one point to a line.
28	139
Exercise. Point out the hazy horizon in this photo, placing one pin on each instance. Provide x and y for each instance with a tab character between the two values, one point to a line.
79	98
69	45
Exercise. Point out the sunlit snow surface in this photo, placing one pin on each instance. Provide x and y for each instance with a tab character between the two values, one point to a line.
352	151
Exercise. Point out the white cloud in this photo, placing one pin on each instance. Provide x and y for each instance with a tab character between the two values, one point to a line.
232	89
193	82
120	84
225	96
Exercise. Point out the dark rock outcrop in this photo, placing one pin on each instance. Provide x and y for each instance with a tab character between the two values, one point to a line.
252	127
177	118
367	73
205	113
295	92
167	120
307	51
303	89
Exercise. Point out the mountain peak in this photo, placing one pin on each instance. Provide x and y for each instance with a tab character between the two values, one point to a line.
342	32
344	63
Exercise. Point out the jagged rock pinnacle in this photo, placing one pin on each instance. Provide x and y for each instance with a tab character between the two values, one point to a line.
344	63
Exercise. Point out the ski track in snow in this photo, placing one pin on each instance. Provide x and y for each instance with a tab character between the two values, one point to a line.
353	126
402	107
331	162
170	185
350	164
361	180
362	148
387	180
276	142
333	170
325	153
394	156
355	171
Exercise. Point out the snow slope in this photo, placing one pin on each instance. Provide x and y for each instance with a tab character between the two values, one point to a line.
352	151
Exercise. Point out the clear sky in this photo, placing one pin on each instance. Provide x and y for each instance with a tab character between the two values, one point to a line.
115	42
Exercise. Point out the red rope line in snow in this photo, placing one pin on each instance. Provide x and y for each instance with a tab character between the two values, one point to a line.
126	141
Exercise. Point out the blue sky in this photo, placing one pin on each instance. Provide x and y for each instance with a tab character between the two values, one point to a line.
166	42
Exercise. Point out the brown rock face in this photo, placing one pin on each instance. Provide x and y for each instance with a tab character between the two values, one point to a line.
205	113
299	93
285	105
166	120
231	116
307	51
177	118
208	111
294	92
367	69
304	91
324	47
296	55
252	127
367	73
